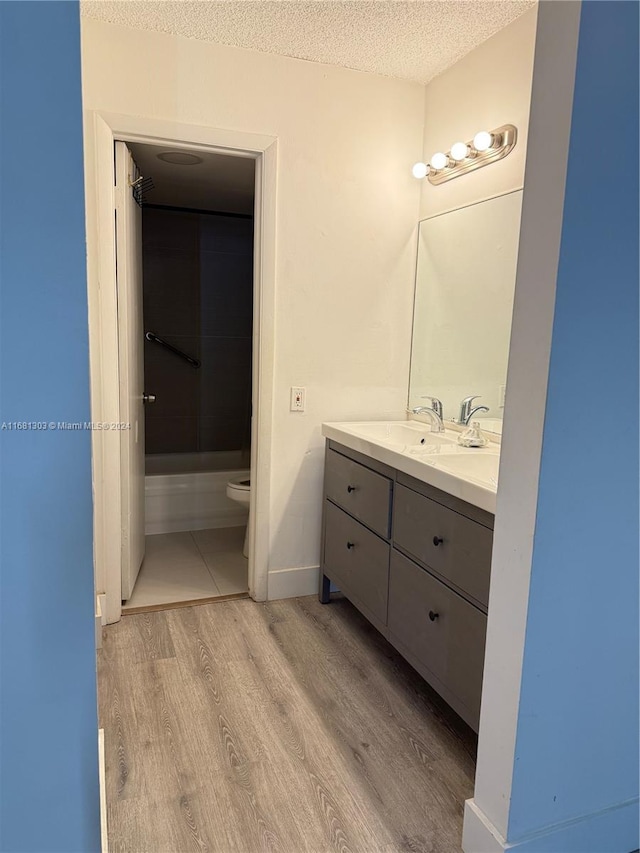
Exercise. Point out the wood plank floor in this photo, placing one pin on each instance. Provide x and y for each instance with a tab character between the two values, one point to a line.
285	727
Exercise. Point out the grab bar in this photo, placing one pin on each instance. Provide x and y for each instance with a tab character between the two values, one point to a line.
150	336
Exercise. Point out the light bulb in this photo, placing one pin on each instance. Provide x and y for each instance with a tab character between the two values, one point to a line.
483	140
420	170
459	151
439	161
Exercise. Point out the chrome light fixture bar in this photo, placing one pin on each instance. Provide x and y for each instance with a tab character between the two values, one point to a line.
485	147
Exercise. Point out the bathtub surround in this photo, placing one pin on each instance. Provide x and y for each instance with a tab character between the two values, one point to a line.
191	500
49	796
198	297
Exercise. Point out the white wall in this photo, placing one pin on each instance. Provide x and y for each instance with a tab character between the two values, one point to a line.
489	87
347	207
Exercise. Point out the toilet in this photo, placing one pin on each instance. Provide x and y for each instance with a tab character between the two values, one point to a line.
239	490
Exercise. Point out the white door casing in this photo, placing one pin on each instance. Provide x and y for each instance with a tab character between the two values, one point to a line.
100	131
131	363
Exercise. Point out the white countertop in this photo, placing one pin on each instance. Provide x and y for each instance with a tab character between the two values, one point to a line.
470	474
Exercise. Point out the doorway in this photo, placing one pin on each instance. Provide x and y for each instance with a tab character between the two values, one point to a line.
112	495
195	270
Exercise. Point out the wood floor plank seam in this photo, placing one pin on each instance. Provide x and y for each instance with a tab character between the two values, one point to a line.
345	733
286	727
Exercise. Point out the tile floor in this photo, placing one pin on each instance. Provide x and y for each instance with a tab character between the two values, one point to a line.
190	565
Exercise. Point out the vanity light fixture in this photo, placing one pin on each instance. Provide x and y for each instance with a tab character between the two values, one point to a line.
485	147
483	141
460	151
420	170
439	161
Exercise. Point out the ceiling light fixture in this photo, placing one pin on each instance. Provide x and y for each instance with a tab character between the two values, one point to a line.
179	158
485	147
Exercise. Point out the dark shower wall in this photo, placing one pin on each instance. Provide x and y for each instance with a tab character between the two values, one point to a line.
198	296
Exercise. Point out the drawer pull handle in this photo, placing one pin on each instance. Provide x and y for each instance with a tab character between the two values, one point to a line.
350	545
351	489
437	540
433	616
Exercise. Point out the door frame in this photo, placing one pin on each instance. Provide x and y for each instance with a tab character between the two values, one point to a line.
100	132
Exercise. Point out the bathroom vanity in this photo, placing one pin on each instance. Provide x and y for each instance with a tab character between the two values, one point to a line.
413	553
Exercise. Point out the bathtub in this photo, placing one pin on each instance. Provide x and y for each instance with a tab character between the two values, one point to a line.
181	496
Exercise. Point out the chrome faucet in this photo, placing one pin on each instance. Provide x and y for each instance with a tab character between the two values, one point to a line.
436	404
466	412
436	420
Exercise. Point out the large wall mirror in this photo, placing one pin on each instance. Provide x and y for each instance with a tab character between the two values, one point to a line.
465	280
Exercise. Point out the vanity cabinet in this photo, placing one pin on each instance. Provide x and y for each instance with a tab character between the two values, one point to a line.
358	561
416	562
356	530
361	491
454	544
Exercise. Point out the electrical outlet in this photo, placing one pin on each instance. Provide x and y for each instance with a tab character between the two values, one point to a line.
297	399
502	393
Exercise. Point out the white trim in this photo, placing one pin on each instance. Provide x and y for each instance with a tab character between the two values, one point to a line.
104	835
99	621
100	608
524	415
291	583
101	129
589	833
479	835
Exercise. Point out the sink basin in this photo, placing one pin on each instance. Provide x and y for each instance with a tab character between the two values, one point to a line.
400	433
431	457
481	467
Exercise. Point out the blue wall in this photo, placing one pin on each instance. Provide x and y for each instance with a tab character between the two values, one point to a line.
577	741
48	724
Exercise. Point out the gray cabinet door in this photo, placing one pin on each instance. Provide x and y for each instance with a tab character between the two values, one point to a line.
452	545
363	493
440	630
357	561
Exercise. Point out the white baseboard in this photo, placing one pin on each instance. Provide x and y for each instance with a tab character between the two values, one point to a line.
614	829
100	619
291	583
103	793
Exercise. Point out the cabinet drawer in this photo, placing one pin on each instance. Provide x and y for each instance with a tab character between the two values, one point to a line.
451	645
357	561
464	554
363	493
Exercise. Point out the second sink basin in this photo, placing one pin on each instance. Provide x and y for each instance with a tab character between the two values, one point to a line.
482	467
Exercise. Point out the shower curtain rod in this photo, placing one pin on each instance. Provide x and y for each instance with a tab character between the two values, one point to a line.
196	210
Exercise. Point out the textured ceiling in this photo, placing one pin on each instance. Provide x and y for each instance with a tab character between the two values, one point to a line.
414	40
